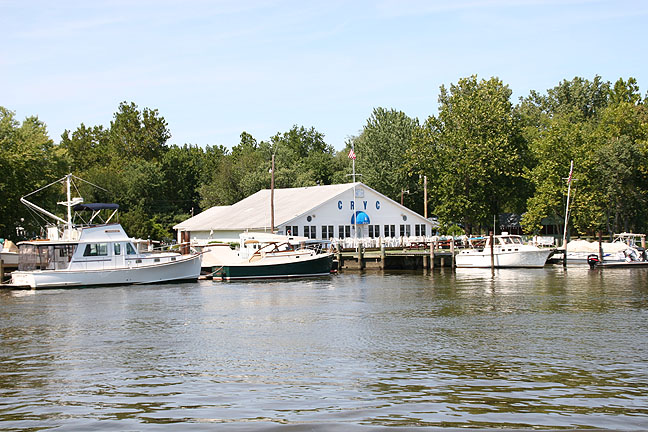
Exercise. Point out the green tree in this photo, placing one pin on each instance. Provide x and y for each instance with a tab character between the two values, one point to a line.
86	147
617	178
29	160
558	127
138	134
302	158
474	153
380	149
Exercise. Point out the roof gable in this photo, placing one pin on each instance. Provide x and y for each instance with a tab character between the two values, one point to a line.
253	212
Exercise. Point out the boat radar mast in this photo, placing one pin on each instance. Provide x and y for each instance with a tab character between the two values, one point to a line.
67	232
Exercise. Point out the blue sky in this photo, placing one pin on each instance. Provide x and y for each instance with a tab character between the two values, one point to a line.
214	68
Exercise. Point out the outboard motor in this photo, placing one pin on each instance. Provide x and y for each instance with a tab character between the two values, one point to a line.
593	261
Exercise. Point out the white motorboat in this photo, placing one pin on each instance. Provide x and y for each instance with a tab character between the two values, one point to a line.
507	251
266	256
94	254
626	247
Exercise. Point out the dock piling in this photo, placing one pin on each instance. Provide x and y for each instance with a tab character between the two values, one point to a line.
432	249
452	253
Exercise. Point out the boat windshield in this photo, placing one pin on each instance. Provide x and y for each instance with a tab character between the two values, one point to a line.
509	240
45	257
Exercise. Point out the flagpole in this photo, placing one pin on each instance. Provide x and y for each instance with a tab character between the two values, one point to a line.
355	212
353	164
569	181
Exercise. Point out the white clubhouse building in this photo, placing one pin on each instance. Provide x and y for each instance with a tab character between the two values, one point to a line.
342	211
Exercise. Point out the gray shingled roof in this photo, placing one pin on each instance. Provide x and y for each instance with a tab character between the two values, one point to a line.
253	212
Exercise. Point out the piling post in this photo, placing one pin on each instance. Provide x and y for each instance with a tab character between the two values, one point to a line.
643	243
361	256
1	271
432	248
492	249
600	242
339	257
452	253
564	263
383	255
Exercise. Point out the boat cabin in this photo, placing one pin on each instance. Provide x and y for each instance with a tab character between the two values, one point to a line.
505	241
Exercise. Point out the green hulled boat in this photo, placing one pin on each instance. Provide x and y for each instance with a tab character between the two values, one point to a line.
269	256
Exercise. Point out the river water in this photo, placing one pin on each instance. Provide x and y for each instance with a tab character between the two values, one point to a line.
536	348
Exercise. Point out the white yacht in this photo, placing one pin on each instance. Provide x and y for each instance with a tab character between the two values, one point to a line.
507	251
94	254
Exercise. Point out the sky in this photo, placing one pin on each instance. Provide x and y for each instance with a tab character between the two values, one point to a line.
216	68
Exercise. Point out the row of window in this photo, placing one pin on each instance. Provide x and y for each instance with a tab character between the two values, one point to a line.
344	231
101	249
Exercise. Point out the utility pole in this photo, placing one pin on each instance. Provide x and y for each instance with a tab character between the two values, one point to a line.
425	197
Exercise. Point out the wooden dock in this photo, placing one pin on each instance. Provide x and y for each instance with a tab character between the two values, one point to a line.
408	258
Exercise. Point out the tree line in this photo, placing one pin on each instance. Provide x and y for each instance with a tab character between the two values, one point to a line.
482	155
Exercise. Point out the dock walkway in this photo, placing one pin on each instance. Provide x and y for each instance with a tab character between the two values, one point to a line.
408	258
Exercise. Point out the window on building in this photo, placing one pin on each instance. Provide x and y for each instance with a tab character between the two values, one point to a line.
390	230
327	232
405	230
292	230
374	231
419	230
310	231
344	231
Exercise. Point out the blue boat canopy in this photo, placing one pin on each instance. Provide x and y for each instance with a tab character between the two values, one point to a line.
360	218
95	206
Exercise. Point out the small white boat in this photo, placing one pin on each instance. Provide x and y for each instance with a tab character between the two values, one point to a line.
9	255
508	251
268	256
94	254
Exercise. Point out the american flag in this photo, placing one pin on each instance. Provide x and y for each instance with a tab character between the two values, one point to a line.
352	154
571	169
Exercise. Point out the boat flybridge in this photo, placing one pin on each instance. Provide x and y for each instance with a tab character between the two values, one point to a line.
93	253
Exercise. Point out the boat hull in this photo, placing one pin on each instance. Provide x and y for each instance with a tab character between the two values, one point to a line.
317	265
522	259
185	268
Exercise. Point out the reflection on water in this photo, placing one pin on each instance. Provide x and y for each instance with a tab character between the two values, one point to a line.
541	348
